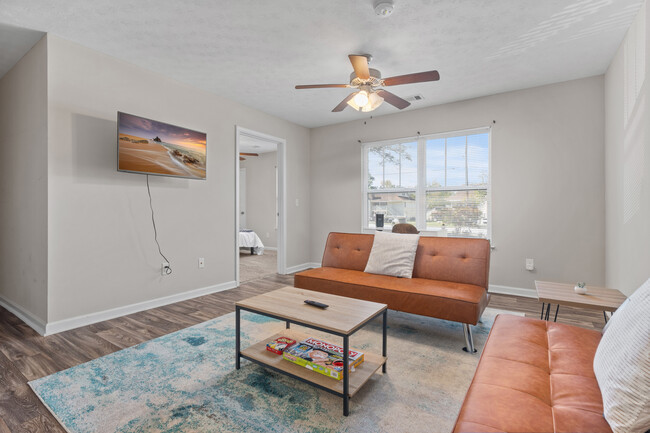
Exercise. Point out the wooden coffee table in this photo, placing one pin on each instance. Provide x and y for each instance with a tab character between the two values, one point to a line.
596	298
343	317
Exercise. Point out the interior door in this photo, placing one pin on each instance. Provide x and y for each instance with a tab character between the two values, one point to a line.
242	198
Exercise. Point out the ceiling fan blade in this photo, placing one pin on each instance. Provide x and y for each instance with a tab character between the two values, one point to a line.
320	86
344	103
242	159
393	99
419	77
249	154
360	65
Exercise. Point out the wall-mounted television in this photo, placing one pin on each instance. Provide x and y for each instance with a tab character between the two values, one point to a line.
147	146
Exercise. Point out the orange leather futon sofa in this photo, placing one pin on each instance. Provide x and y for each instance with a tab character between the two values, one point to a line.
535	376
450	278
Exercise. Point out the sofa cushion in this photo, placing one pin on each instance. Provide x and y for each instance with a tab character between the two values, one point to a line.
347	250
457	260
622	365
534	376
460	260
392	254
442	299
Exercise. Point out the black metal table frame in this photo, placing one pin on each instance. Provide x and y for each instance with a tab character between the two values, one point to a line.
545	314
346	350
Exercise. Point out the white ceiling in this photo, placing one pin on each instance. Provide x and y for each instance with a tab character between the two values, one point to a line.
255	145
14	43
254	52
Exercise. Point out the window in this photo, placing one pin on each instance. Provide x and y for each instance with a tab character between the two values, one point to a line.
439	183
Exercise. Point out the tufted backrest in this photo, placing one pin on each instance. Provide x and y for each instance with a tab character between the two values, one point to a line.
347	251
458	260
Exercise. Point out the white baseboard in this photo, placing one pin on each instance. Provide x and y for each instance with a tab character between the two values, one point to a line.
88	319
29	318
517	291
75	322
302	267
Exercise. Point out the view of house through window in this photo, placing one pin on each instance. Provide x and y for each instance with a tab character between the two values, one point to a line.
438	183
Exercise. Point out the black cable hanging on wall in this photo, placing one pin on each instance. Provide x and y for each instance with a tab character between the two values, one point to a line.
168	269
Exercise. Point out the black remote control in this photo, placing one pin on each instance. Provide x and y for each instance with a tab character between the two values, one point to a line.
316	304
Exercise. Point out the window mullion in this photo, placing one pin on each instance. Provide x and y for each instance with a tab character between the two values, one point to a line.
383	167
365	187
466	164
445	162
400	165
421	186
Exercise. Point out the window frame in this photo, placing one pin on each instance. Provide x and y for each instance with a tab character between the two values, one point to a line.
421	189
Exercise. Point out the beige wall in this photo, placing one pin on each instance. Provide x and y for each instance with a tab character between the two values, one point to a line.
548	199
66	210
628	178
23	185
101	249
260	196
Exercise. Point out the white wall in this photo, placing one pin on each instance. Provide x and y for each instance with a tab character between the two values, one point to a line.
260	196
101	249
23	186
628	177
548	199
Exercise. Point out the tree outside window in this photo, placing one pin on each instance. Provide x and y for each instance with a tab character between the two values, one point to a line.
447	194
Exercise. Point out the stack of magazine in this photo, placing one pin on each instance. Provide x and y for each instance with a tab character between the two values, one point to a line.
322	357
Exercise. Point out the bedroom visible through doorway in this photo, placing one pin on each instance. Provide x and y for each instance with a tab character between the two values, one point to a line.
258	235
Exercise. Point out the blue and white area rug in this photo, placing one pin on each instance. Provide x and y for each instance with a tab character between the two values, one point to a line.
186	382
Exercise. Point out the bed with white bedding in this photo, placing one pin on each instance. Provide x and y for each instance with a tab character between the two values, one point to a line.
249	239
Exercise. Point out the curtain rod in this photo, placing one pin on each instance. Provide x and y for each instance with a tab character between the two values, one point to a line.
430	133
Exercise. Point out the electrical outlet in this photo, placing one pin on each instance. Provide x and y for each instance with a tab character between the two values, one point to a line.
297	202
268	235
164	269
201	263
530	265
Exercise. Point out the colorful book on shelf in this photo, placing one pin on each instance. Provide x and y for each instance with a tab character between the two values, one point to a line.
322	357
279	345
355	357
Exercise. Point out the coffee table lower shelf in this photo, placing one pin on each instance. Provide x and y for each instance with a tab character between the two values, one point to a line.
258	354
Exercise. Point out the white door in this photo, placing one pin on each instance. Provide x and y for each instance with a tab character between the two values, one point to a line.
242	198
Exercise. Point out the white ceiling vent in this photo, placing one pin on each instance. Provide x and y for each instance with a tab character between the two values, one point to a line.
414	98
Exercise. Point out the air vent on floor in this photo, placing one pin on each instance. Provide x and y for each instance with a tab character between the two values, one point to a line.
414	98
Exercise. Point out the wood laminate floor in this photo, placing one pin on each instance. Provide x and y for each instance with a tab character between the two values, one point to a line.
25	355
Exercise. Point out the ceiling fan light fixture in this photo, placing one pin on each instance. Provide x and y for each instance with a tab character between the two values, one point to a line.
352	104
374	101
361	99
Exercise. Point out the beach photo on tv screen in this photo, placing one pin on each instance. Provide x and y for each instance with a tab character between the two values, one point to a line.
150	147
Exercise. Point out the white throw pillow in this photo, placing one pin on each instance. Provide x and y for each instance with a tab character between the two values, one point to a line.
393	254
622	365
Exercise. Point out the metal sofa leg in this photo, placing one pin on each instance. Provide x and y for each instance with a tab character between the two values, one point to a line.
469	340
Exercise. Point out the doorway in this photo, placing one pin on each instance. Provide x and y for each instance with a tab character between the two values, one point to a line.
260	217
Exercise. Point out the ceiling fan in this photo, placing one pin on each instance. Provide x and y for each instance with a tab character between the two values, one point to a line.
369	82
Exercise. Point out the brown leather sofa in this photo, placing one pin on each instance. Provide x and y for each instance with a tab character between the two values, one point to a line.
450	277
534	376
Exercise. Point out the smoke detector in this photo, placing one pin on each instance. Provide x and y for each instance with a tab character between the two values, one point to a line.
384	8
